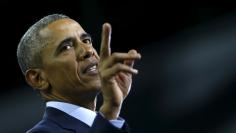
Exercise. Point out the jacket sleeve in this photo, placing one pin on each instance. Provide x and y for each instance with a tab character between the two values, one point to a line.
102	125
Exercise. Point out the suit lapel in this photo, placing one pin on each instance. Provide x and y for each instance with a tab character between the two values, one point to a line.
65	121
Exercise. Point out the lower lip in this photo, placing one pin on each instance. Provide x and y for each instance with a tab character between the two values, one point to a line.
92	73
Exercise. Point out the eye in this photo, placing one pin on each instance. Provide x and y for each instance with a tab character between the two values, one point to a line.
87	40
67	46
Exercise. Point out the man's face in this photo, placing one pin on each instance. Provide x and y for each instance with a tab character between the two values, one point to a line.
69	60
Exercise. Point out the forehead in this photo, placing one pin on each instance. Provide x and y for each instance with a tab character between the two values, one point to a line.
60	29
55	33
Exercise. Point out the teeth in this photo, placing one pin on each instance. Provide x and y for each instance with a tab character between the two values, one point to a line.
93	68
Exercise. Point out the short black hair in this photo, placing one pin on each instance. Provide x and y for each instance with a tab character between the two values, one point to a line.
31	44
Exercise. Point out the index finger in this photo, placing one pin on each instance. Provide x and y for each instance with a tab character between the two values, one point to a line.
105	49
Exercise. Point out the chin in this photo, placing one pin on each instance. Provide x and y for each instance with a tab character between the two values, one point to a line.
96	86
93	84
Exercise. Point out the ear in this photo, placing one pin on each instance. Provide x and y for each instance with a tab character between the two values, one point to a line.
36	79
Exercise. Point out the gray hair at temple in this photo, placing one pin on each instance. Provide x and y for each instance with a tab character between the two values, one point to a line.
31	44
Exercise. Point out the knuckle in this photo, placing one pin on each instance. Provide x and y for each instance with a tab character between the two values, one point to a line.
119	65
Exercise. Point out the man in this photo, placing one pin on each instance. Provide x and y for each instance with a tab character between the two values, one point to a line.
57	58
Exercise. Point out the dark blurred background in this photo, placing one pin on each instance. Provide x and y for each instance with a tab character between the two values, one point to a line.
186	81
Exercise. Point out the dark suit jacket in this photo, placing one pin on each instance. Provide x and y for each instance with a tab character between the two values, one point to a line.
56	121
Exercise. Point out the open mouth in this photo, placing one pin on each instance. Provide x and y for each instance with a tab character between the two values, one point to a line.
91	69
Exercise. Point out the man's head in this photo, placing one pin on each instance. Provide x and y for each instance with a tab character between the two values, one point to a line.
28	51
57	57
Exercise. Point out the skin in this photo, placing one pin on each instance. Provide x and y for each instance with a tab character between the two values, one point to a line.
65	76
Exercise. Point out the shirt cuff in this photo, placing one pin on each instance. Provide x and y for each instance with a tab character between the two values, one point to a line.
118	122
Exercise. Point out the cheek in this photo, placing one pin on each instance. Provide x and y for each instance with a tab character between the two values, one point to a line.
61	67
60	73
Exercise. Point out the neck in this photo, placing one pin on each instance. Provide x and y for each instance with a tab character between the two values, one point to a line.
88	101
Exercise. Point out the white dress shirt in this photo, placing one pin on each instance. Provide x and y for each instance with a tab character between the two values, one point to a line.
85	115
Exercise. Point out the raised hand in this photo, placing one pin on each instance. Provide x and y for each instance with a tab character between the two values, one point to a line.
116	72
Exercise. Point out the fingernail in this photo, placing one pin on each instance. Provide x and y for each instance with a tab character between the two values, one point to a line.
135	71
139	55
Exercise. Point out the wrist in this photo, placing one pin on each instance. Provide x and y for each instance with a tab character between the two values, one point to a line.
110	111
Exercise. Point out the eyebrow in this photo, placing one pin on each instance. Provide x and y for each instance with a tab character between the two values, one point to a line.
85	35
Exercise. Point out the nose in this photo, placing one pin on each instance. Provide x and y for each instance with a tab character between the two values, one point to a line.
85	52
88	54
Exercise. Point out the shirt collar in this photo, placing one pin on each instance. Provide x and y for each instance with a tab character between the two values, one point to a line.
85	115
